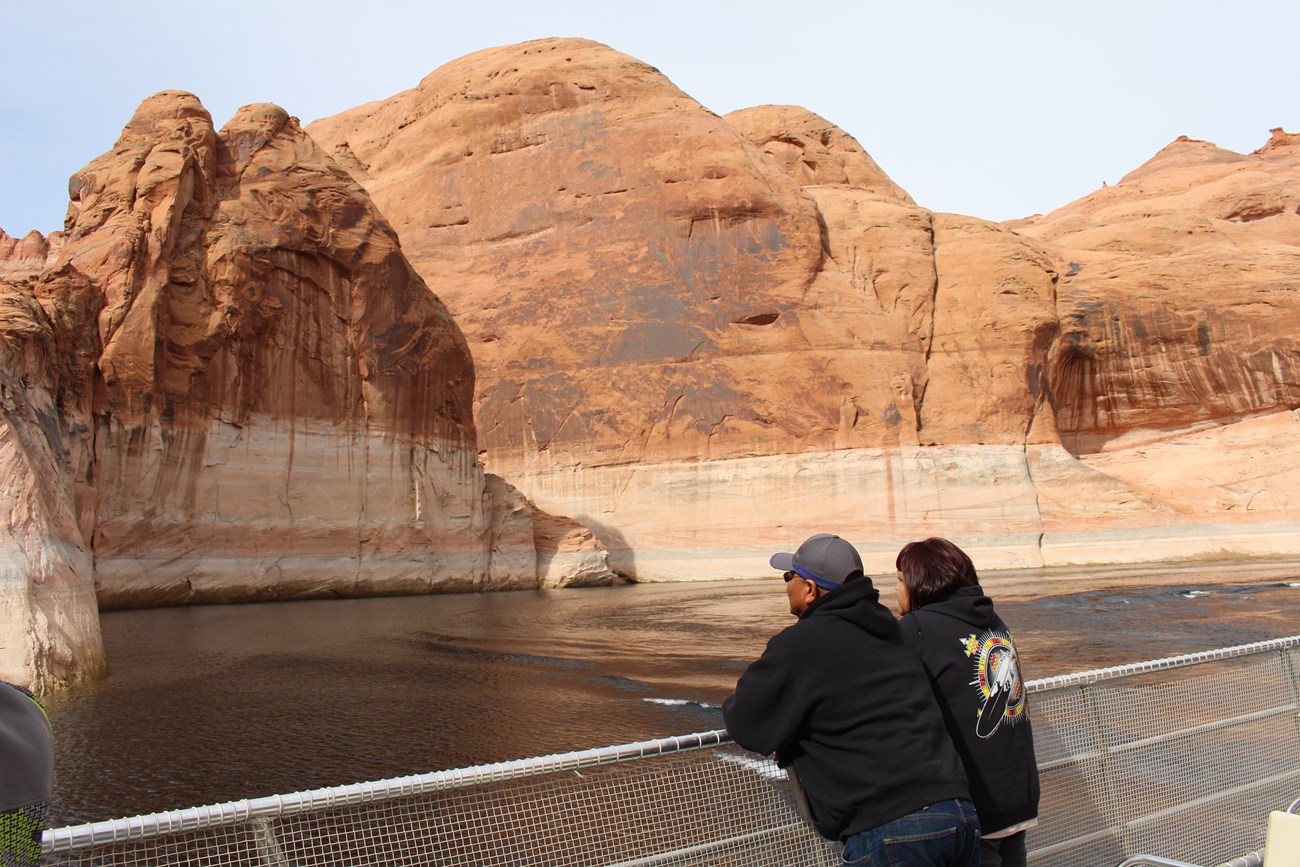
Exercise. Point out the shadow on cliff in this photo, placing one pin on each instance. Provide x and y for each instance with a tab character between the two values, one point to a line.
621	557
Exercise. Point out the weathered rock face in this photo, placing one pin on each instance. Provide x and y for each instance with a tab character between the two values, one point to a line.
260	397
695	334
47	598
275	378
614	252
638	280
1178	369
25	257
647	286
814	151
1178	295
703	338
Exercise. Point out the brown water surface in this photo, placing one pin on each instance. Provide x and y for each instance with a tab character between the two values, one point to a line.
211	704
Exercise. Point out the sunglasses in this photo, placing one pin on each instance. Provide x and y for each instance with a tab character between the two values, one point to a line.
789	575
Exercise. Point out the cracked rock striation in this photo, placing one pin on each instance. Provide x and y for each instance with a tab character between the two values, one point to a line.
703	336
228	383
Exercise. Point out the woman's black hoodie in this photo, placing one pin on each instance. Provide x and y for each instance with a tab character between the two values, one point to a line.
842	699
973	667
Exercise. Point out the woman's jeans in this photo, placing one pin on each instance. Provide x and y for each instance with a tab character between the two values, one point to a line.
946	834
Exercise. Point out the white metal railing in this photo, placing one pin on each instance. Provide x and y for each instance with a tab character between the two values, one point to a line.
284	806
1182	756
1253	859
702	800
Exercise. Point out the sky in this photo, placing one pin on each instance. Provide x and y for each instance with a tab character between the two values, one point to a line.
996	109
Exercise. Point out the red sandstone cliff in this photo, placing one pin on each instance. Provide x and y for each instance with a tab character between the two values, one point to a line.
640	281
650	290
1178	297
48	616
245	390
694	332
698	336
1178	369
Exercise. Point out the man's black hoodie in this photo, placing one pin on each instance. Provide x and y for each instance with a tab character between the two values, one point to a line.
842	699
969	657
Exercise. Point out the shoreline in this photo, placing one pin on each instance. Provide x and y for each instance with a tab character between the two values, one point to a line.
1027	584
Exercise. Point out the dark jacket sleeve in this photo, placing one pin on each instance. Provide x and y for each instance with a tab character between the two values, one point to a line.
767	710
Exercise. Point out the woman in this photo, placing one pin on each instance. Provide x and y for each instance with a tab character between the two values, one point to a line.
972	665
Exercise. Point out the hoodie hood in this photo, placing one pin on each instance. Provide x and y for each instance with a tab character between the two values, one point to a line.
969	605
859	603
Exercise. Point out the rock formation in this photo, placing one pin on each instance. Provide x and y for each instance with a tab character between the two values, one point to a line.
1178	367
25	257
704	336
701	338
684	322
260	398
1178	302
49	625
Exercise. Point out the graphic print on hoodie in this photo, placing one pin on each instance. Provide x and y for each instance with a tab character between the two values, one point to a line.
997	678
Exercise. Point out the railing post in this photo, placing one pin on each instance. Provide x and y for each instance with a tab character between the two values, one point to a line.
1113	815
269	853
1292	676
1293	684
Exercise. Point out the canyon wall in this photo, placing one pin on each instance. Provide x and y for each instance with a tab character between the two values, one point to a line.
707	336
49	624
700	338
257	396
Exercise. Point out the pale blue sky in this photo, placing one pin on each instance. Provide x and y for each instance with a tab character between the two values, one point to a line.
995	109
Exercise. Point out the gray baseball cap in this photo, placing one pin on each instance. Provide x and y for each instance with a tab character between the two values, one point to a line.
824	559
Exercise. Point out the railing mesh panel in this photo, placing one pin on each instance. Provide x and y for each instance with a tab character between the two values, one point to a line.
718	806
1181	758
1183	763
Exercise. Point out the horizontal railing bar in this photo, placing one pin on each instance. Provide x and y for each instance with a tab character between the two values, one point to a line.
689	853
1156	740
1117	830
1083	678
198	818
1161	815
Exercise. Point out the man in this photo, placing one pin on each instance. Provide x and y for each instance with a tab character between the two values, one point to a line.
26	775
845	705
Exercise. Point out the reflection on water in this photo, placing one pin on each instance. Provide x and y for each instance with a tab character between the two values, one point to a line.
209	704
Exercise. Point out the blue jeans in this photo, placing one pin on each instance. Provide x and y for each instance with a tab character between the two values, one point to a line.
946	834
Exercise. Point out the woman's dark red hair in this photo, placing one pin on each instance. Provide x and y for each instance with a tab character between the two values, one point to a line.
933	569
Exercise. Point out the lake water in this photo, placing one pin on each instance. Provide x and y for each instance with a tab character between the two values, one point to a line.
211	704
